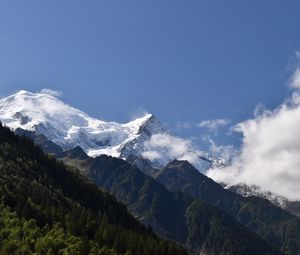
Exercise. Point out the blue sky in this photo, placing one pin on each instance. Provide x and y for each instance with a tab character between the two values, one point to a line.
184	61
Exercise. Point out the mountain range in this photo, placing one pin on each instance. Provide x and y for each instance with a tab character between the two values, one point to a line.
254	190
164	192
171	191
57	127
67	127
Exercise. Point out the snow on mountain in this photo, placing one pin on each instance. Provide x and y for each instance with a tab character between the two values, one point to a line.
254	190
69	127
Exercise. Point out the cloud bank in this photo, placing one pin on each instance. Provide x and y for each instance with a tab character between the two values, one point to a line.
167	147
270	153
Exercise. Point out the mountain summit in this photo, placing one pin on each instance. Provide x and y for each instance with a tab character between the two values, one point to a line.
68	127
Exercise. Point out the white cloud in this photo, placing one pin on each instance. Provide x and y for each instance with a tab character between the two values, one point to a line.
55	93
165	147
225	152
213	125
295	79
183	125
139	112
270	153
261	110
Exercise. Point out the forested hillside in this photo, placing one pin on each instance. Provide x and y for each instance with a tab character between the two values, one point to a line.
47	209
189	221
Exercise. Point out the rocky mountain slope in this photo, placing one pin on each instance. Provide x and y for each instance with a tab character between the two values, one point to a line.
272	223
189	221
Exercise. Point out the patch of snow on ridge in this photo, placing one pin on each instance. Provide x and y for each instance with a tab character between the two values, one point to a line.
254	190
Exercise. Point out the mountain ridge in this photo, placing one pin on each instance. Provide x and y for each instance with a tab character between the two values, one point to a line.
260	215
69	127
254	190
173	215
57	126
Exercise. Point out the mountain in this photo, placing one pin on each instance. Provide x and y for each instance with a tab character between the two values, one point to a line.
270	222
39	139
46	208
190	217
254	190
43	116
68	127
189	221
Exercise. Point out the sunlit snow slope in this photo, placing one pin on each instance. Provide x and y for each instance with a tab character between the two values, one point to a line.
69	127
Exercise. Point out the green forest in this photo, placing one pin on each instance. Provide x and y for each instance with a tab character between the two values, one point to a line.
46	208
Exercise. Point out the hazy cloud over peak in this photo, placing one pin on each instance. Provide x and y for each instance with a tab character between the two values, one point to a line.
55	93
226	152
168	147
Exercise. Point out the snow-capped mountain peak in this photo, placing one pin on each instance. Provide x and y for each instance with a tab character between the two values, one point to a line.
69	127
38	108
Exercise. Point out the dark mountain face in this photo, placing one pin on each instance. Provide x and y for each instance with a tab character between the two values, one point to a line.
46	208
76	153
293	207
189	221
47	145
272	223
182	176
143	165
